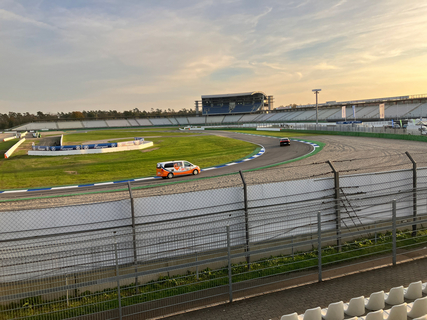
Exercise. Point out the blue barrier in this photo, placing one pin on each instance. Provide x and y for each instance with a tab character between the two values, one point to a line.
137	141
75	147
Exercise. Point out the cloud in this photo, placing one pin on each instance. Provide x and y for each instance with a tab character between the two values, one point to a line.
112	53
324	66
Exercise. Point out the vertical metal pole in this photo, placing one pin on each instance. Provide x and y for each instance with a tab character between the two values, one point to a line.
66	283
414	193
337	204
319	245
117	275
135	257
394	231
230	279
245	196
292	241
317	112
197	267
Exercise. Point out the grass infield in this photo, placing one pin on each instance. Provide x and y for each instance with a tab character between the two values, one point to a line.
24	171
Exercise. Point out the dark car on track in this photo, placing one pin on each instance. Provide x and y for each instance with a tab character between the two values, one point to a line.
285	142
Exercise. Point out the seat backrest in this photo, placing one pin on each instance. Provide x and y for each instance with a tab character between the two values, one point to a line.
356	306
292	316
375	315
335	311
419	308
395	296
398	312
376	301
414	290
313	314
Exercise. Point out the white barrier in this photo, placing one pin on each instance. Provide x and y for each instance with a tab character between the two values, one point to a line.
192	128
144	145
11	150
9	138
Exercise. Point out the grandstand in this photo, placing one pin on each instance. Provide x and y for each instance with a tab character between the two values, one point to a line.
396	108
235	103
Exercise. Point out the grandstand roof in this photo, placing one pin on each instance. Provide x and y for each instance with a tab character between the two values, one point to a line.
232	95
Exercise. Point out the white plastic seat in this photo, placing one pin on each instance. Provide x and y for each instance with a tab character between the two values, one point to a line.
422	318
395	296
335	311
414	290
425	287
374	315
397	312
356	306
375	301
418	308
311	314
291	316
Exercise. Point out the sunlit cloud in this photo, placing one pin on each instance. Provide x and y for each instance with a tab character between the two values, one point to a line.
122	55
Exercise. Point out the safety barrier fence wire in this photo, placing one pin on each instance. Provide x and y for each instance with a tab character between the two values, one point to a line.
152	256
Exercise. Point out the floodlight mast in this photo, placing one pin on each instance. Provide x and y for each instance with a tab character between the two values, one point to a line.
316	92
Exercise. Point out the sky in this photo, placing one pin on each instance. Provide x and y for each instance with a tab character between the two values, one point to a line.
75	55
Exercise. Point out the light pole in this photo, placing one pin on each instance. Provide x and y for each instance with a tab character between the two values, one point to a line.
316	92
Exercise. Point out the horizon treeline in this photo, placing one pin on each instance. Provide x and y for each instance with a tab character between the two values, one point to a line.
13	119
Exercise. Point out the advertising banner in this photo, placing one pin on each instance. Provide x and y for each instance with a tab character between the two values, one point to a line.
354	112
343	115
382	113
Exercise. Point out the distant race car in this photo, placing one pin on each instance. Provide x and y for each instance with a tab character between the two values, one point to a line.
285	142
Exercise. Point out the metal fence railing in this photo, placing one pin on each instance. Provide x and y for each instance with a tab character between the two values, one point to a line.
156	255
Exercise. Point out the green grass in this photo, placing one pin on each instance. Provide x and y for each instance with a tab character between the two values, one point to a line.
23	171
90	302
6	145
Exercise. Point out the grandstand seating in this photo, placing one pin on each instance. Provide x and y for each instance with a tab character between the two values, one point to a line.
373	307
196	120
69	124
144	122
226	109
182	120
160	121
214	119
264	117
117	123
248	117
133	122
276	116
94	124
231	118
417	111
363	113
173	121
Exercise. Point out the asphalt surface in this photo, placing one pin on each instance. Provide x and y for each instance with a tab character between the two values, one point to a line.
274	154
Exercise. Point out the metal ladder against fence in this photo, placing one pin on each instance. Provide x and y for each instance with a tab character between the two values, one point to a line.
349	210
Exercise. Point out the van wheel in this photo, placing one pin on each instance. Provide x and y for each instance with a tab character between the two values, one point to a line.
195	172
170	175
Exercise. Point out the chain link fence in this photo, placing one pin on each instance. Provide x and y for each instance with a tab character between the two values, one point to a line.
153	255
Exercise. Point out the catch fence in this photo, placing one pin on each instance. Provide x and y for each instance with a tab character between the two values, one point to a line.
151	256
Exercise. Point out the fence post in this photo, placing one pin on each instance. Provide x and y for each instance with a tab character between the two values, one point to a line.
117	275
245	199
319	245
135	257
394	230
414	194
337	204
230	279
